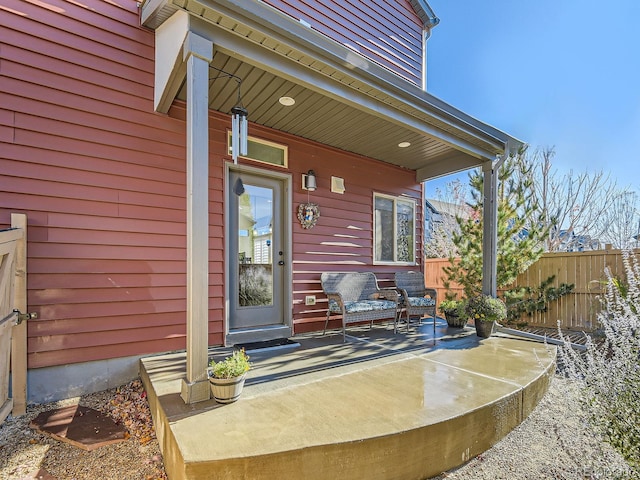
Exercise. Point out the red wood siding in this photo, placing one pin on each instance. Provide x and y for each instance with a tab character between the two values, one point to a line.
101	178
342	240
387	32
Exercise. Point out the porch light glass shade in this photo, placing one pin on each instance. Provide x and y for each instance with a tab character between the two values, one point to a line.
239	132
309	181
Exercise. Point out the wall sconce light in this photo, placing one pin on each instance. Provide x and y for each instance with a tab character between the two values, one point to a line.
309	181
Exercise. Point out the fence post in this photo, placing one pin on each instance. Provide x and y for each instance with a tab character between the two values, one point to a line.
19	334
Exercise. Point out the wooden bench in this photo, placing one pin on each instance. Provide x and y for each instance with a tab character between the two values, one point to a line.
357	298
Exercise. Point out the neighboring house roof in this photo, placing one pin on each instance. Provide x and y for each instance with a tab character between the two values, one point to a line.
448	208
358	105
570	242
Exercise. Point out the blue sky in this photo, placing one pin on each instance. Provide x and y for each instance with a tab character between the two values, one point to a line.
563	73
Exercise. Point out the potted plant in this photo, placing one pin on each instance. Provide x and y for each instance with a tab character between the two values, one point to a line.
227	376
454	312
485	311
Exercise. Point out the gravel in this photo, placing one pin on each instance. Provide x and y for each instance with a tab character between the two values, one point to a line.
555	442
24	451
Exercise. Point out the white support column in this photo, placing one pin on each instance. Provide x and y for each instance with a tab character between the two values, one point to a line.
198	53
490	220
490	228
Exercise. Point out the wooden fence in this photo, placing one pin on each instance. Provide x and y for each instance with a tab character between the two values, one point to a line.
575	311
13	336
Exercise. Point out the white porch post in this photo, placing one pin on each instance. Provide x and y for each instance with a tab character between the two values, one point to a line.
490	228
197	53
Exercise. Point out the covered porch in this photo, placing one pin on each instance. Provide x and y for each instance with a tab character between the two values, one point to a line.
343	100
379	406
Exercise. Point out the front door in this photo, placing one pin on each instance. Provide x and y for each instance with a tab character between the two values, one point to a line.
257	263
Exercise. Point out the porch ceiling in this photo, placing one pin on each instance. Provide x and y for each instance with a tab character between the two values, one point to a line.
342	99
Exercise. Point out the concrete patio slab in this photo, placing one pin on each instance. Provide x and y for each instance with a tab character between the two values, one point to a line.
379	406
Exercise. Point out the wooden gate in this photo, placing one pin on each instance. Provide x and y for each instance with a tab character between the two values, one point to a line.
13	333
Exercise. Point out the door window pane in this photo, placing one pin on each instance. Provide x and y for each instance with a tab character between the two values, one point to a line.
255	227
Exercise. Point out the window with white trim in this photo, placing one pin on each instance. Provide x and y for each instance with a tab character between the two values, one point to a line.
264	151
394	229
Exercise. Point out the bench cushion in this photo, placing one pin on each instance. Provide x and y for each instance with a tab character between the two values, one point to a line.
421	302
362	306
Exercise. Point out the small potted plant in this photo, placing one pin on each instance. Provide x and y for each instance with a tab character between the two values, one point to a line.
227	376
454	312
485	311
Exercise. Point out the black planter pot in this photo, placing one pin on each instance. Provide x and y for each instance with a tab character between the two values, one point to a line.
484	329
455	321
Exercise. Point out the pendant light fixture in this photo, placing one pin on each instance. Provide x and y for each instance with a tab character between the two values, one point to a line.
239	122
239	131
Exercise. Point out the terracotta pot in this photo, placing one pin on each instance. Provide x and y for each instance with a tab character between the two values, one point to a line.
484	329
227	390
455	321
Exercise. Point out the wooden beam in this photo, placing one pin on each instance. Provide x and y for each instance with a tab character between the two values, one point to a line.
170	68
19	335
6	327
5	409
9	236
448	164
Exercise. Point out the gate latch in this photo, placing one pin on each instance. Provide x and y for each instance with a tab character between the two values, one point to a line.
24	316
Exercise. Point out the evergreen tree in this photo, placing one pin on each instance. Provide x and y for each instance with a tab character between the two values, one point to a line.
521	235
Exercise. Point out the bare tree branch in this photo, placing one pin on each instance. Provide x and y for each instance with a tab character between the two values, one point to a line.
575	204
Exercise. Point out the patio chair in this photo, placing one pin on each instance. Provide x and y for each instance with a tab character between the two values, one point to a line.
357	297
416	299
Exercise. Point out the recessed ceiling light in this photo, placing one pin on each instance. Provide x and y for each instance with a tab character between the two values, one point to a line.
287	101
404	144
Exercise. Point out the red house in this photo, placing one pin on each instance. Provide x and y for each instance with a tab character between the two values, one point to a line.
145	235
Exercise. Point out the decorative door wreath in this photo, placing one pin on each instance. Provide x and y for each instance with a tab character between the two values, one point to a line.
308	214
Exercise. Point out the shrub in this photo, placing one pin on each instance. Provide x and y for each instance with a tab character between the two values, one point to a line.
486	308
453	307
232	366
529	300
609	370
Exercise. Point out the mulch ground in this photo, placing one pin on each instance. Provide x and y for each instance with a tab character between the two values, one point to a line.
26	453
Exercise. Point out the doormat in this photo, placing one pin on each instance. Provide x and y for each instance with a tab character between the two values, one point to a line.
83	427
268	345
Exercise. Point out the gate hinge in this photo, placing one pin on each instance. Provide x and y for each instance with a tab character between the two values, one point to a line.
24	316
